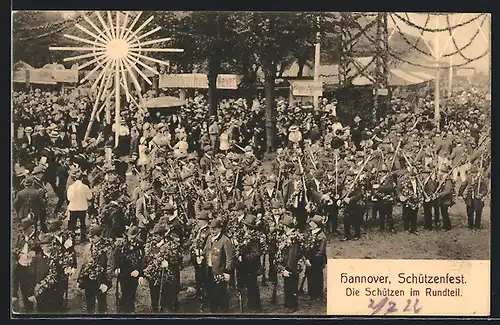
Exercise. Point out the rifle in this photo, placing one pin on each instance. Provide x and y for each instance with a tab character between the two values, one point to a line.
238	288
161	288
303	281
275	288
117	295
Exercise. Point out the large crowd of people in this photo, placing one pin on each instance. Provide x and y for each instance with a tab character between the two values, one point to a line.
207	187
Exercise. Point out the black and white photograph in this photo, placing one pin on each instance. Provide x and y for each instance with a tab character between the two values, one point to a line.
211	162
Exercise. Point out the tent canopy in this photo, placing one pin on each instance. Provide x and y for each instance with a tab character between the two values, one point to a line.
164	102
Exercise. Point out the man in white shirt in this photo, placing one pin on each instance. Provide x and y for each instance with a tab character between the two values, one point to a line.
78	196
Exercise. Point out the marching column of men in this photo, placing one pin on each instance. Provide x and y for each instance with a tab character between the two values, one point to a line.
278	213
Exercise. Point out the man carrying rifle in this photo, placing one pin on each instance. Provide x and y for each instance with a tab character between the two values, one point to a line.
63	249
287	261
430	204
128	259
161	260
145	210
445	194
96	274
473	191
275	231
384	194
198	240
408	192
315	257
248	254
352	201
219	258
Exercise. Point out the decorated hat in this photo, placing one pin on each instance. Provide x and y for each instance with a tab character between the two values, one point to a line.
277	204
318	220
288	221
26	223
95	230
132	231
239	206
46	238
250	220
204	215
168	208
207	148
216	223
54	223
159	229
28	129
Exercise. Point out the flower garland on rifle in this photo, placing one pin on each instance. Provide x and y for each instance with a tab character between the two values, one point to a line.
65	256
198	244
284	244
132	249
169	251
412	199
249	237
49	280
93	270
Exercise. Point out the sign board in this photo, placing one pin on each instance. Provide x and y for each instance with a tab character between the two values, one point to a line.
382	92
307	88
68	75
465	72
198	80
46	76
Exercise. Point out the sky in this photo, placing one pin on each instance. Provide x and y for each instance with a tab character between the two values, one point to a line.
462	36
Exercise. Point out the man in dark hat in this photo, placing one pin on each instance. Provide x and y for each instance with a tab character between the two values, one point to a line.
64	254
430	203
287	262
473	191
409	194
445	194
172	221
29	202
113	215
48	274
353	203
248	253
96	274
198	240
219	261
128	264
275	231
384	194
316	257
162	255
146	210
25	248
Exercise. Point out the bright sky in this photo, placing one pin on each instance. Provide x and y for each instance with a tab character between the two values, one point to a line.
462	34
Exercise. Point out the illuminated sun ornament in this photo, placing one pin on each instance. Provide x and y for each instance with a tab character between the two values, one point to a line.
116	50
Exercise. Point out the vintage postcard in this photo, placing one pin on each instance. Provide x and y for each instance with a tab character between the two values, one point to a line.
269	163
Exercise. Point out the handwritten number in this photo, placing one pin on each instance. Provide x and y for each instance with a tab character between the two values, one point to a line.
415	309
407	308
378	306
392	308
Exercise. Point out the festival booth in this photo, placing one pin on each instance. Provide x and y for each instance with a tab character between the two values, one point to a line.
228	83
163	106
49	75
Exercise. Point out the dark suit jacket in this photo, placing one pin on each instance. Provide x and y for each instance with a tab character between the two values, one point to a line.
291	258
446	195
469	201
313	192
318	255
29	199
222	254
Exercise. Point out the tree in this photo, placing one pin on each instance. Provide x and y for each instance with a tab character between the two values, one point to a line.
273	37
208	39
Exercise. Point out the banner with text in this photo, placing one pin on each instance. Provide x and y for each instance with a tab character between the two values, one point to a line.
198	80
46	76
408	287
307	88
